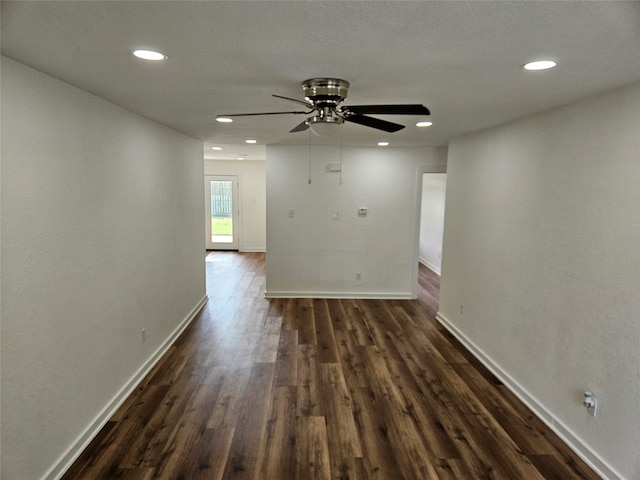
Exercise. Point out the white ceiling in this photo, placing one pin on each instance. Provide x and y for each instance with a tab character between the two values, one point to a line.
461	59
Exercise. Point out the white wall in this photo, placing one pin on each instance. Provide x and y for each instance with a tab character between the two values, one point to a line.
432	220
542	247
102	235
252	197
316	254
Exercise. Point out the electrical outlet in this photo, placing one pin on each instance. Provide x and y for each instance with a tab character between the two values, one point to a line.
144	335
591	403
358	276
461	309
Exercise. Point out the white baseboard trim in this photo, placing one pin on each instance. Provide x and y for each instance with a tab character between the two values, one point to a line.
73	452
430	266
603	469
357	295
252	250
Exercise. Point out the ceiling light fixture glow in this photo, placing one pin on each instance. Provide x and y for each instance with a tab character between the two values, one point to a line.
216	148
224	119
250	141
383	144
149	55
539	65
424	124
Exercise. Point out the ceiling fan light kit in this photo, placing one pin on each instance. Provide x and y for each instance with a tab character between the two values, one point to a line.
326	123
324	128
323	97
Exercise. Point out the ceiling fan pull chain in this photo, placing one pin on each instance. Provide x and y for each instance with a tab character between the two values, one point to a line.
341	127
309	158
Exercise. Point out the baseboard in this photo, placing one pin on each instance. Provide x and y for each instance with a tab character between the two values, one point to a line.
357	295
573	442
74	451
430	266
253	250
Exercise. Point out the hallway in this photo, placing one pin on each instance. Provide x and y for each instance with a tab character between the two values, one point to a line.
320	389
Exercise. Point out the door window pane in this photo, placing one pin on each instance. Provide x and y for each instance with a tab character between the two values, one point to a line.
222	211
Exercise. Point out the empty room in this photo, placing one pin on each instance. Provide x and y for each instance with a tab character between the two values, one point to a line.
320	240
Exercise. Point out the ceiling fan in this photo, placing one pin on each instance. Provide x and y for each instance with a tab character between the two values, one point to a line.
323	98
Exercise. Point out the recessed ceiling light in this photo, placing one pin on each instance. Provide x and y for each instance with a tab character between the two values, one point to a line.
216	148
250	141
149	55
383	144
540	65
240	158
424	124
224	119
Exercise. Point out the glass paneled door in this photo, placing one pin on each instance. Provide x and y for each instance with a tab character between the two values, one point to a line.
221	194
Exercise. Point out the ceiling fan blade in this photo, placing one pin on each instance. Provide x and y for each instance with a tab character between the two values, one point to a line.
402	109
262	113
374	123
306	104
301	127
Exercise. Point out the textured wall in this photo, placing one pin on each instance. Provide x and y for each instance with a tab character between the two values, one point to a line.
322	248
541	246
102	235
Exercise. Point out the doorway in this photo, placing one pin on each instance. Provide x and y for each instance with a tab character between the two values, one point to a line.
221	193
432	220
429	238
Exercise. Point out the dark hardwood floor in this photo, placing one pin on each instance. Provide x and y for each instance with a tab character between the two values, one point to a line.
320	389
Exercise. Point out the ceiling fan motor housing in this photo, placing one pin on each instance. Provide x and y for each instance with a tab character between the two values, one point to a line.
325	116
325	92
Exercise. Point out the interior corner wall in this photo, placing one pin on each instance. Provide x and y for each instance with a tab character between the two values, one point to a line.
252	196
317	243
541	266
102	236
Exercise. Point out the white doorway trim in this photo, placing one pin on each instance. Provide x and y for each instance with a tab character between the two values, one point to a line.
222	241
416	223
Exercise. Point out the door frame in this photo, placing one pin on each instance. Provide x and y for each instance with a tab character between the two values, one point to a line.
235	215
416	234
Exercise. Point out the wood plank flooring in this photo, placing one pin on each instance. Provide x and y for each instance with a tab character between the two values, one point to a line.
320	389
